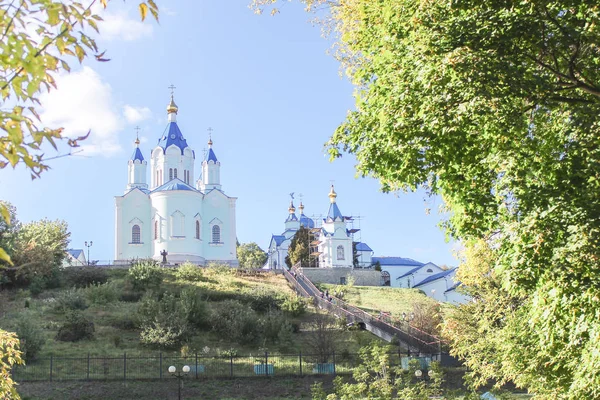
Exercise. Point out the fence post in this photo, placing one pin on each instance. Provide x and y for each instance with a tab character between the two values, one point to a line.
88	367
300	359
266	363
51	362
160	365
196	365
231	365
124	366
334	363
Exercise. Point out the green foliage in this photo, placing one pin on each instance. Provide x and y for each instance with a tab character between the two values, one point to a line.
294	305
145	275
236	321
250	255
76	327
189	272
84	276
322	338
193	307
299	250
71	299
102	294
31	337
9	226
10	356
263	300
40	249
37	285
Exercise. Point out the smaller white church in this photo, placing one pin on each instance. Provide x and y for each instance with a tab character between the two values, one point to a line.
169	217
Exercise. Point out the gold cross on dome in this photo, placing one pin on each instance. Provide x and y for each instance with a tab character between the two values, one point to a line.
172	87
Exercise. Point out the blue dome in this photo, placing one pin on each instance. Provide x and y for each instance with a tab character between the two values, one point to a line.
172	136
306	222
174	184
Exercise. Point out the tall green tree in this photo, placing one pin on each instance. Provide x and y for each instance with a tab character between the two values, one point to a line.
300	249
8	229
495	106
250	255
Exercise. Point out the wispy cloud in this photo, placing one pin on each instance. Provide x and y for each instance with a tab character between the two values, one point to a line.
119	25
83	102
136	114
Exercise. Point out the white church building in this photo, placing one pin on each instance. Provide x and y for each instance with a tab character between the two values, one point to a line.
169	215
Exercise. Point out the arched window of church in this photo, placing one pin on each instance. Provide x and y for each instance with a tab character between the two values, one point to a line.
197	229
340	252
216	234
170	173
175	173
385	278
135	234
155	229
429	270
177	224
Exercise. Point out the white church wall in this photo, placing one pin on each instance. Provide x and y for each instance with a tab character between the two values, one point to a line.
435	289
396	271
218	210
132	209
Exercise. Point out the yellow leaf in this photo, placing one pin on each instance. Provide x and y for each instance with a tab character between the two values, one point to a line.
4	256
143	10
4	213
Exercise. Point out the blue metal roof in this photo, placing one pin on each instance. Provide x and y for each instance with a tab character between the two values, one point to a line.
334	212
174	184
278	239
360	246
435	277
172	136
410	272
396	261
306	222
457	284
210	156
291	217
75	252
137	155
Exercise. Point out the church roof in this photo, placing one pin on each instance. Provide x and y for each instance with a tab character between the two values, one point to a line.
278	239
306	222
360	246
412	271
75	253
435	277
334	212
396	261
453	287
174	184
291	217
172	136
137	155
211	156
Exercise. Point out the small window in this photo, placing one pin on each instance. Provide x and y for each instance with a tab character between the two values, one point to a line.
175	173
135	234
216	234
429	270
170	173
155	229
197	229
340	252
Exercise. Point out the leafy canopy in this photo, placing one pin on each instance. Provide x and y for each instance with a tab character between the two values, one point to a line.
250	255
494	106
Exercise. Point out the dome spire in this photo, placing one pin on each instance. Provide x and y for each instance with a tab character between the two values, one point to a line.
137	136
172	107
332	195
210	142
301	208
292	209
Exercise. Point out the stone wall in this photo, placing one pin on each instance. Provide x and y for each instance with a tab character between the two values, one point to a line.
334	275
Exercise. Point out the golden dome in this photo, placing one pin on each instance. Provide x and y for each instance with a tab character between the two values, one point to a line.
172	107
210	142
301	207
292	209
137	141
332	195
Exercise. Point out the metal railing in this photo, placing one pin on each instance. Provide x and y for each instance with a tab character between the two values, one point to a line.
124	368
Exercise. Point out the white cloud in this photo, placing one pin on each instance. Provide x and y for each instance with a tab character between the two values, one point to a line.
136	114
119	26
84	103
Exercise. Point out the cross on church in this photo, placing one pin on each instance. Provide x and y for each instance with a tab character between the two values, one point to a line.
137	131
210	131
172	87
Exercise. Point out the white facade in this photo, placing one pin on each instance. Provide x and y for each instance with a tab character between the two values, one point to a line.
279	245
416	275
439	286
191	224
335	245
74	258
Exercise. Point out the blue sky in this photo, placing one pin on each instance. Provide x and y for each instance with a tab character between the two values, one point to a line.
267	87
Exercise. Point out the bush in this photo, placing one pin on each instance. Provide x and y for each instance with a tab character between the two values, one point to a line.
37	285
102	293
236	321
262	300
76	327
84	276
294	305
145	275
31	337
71	299
189	272
193	307
164	323
125	323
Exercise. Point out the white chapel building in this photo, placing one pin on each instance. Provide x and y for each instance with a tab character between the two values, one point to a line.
170	214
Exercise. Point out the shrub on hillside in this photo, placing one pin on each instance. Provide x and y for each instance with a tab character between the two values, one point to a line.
164	323
263	300
274	327
193	307
105	293
294	305
71	299
84	276
236	321
31	337
189	272
76	327
144	275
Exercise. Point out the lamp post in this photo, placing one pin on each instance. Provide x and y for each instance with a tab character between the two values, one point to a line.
179	375
88	248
